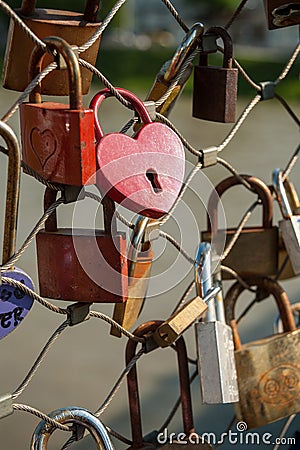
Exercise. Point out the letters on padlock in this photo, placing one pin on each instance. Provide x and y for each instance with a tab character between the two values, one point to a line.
144	172
14	303
268	369
215	88
75	28
282	13
74	415
214	340
139	442
256	249
82	265
58	139
290	226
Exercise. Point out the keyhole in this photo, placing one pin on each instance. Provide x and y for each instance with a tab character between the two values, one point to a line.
152	176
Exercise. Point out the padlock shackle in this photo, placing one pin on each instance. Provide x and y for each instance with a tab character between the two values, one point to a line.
259	187
90	12
12	192
137	104
136	242
281	194
133	390
65	50
76	416
273	288
222	33
109	217
184	50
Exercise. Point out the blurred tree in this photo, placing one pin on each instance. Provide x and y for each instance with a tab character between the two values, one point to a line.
211	9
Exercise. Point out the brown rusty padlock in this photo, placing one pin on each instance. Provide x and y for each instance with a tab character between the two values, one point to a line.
139	259
256	249
75	28
82	265
139	443
58	140
282	13
215	88
268	369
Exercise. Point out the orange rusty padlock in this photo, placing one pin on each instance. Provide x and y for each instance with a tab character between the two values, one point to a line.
155	439
75	28
82	265
215	88
256	249
268	368
58	139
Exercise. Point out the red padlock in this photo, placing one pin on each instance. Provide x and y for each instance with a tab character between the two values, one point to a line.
58	140
144	172
82	265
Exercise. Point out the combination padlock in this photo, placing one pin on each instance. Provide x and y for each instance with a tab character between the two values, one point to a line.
80	418
145	172
82	265
58	140
140	257
256	249
214	341
268	369
139	442
75	28
14	303
290	225
215	88
282	13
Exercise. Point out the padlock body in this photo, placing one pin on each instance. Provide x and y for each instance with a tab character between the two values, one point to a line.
58	143
268	372
255	252
46	22
288	271
216	364
82	265
215	93
276	20
290	230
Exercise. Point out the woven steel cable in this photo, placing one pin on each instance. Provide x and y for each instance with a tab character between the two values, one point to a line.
231	169
40	415
236	13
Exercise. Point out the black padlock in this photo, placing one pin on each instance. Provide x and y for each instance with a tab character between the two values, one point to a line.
215	88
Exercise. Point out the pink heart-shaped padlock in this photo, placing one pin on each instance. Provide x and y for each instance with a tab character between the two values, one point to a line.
144	172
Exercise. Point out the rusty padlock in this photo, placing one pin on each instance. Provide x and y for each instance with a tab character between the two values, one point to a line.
75	28
215	88
256	249
140	257
58	140
282	13
268	369
14	303
82	265
139	443
80	418
144	172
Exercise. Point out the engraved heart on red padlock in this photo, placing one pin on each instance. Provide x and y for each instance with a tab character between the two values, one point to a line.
144	172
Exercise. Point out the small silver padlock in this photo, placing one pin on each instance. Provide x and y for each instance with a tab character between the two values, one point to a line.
81	420
290	225
215	349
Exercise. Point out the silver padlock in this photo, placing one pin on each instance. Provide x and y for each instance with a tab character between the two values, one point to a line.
214	341
290	225
81	419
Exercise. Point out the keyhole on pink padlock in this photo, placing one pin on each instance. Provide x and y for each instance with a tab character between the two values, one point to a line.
152	176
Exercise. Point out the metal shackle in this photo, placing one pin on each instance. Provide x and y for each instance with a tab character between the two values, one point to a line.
222	33
12	191
136	243
90	12
268	285
258	186
73	415
75	82
281	194
133	392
